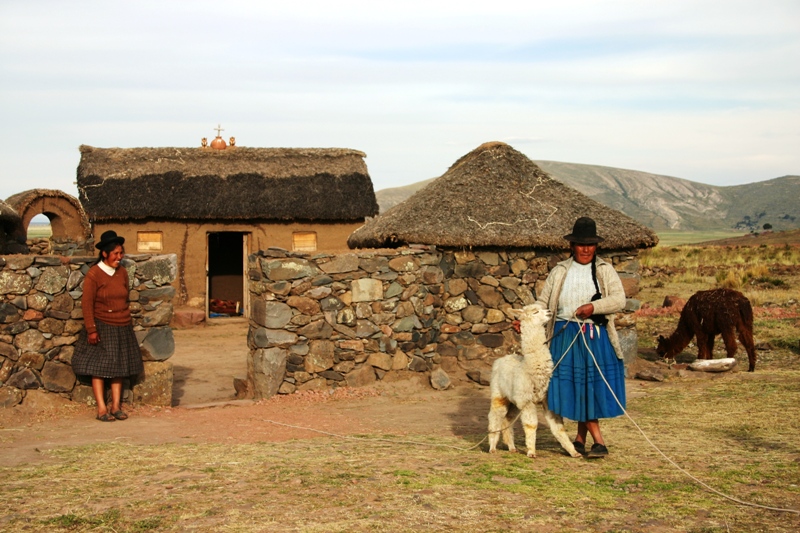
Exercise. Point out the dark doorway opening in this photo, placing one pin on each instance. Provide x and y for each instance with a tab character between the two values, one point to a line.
226	264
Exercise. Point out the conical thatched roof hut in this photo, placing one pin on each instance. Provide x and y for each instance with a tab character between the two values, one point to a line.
9	218
496	197
234	184
12	232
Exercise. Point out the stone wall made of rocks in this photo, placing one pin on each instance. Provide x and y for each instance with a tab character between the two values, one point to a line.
41	317
320	321
59	246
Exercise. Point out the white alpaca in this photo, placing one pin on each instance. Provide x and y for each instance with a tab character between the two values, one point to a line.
520	383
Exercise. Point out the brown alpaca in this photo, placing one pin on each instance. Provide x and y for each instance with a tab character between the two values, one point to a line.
707	314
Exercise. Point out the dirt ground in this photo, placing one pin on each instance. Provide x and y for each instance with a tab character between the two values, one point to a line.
207	359
371	485
204	409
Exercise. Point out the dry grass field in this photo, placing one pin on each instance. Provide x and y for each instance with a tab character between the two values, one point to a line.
39	231
737	432
768	275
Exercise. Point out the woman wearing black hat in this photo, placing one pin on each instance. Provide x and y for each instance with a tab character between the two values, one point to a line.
107	349
584	292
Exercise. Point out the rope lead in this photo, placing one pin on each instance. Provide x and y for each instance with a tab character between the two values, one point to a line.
582	335
656	448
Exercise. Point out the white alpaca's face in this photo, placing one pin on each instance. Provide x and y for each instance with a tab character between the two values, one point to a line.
533	315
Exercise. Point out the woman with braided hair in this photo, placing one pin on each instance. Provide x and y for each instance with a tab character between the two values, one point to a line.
107	349
583	293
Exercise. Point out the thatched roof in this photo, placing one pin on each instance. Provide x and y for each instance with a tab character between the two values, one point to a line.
234	184
10	222
496	197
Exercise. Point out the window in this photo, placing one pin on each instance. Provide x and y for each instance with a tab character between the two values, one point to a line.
149	241
304	241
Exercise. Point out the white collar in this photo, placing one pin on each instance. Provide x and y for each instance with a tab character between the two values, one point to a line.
107	269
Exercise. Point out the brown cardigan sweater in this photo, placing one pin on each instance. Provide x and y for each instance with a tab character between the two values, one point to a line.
105	298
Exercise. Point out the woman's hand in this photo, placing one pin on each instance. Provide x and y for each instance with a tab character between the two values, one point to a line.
93	338
584	311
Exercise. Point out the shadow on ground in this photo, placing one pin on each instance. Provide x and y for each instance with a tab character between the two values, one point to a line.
180	375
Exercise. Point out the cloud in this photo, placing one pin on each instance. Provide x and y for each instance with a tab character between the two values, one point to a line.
679	88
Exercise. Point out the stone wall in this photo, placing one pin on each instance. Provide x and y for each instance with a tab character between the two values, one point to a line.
320	321
60	246
41	317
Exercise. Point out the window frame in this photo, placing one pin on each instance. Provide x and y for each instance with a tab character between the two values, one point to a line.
149	244
296	246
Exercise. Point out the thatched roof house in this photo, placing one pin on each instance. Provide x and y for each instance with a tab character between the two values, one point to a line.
214	207
12	232
496	197
234	184
9	219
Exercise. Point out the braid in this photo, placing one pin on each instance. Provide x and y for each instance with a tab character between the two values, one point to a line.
601	320
594	273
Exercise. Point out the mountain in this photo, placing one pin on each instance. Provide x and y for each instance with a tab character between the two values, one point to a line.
665	202
392	196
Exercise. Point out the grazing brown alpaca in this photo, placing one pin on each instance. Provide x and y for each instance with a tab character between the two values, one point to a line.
707	314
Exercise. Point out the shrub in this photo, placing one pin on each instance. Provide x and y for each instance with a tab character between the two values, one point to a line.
730	279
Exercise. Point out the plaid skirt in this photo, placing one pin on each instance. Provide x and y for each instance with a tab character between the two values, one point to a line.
116	355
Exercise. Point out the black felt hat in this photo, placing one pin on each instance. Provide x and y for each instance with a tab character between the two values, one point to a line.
108	238
584	232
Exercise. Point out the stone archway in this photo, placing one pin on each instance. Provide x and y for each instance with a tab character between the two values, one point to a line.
68	221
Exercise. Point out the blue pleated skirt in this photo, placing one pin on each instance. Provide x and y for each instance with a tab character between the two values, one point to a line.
576	390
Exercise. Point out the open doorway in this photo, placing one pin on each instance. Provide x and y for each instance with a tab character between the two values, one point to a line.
227	260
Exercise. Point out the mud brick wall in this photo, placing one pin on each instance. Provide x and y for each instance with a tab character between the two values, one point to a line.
41	317
320	321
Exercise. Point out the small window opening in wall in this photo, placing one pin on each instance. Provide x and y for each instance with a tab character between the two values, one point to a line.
304	241
149	241
40	227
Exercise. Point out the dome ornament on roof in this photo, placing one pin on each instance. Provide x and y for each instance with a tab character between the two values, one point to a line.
218	143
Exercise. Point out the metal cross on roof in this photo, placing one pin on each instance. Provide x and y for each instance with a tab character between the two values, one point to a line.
219	129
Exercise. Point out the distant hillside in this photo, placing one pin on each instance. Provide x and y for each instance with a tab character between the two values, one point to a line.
392	196
664	202
770	238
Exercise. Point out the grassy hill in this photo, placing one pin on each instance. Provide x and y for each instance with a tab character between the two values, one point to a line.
665	202
774	202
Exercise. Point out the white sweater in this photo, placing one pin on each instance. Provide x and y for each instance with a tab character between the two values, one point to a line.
612	301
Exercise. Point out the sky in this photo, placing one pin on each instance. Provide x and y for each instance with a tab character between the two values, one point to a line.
702	90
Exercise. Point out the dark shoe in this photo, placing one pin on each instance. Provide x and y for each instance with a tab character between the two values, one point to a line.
579	447
597	451
120	415
106	418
